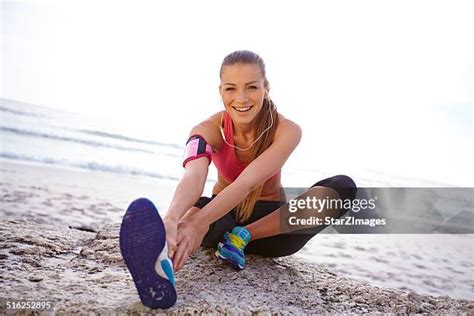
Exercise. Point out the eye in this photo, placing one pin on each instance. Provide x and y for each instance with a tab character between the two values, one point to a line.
229	89
253	87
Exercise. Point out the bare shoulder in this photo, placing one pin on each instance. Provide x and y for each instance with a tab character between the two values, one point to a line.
209	129
288	129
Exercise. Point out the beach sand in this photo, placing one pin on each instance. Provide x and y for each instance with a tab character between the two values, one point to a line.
59	243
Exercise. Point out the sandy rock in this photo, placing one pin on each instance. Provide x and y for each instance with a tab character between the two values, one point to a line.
83	272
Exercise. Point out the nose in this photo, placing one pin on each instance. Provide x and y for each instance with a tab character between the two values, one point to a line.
242	97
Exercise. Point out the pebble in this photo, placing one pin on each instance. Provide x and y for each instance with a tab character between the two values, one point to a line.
35	279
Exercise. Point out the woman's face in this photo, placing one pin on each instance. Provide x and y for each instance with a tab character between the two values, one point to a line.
242	90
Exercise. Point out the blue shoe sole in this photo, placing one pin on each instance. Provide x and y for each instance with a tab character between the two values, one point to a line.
142	238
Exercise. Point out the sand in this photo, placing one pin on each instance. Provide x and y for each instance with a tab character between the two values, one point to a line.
59	243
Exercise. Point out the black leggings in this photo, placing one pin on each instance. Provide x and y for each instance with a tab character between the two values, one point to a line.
278	245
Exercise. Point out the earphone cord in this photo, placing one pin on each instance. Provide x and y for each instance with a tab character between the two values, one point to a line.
250	146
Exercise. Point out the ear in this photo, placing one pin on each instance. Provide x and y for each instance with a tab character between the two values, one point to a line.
220	90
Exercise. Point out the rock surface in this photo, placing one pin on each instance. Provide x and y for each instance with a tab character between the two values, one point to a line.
83	272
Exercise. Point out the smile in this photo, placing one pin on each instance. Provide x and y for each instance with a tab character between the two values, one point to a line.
243	109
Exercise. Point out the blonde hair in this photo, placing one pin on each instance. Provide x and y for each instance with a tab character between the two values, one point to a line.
263	119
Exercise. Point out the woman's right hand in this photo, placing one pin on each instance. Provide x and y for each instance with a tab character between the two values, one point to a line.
171	227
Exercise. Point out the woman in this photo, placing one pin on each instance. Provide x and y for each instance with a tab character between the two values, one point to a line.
249	142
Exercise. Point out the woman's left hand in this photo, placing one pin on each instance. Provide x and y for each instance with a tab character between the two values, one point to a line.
190	236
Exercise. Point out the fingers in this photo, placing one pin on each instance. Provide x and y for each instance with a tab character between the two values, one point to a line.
171	242
179	239
171	247
170	227
181	255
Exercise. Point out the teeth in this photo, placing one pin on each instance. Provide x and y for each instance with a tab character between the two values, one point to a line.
243	109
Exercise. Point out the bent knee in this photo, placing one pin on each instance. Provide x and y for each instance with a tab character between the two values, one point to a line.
345	186
345	181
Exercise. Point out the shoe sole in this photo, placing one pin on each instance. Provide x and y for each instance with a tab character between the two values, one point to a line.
142	238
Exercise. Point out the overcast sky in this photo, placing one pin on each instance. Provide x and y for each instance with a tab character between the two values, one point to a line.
387	84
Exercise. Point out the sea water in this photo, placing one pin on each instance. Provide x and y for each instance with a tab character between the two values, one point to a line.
51	136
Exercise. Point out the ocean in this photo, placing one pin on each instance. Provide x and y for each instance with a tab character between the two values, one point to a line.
45	135
50	136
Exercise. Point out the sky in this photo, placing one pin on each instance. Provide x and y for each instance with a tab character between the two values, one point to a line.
383	85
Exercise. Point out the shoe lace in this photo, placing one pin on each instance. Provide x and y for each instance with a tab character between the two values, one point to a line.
236	241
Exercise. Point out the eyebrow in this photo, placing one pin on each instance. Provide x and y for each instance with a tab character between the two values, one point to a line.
233	84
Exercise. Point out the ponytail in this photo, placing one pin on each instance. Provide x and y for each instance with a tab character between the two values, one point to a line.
264	119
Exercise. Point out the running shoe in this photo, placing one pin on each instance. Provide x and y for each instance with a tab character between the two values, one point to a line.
231	249
145	252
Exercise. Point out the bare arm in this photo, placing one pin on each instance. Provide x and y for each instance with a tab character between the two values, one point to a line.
256	173
189	188
192	183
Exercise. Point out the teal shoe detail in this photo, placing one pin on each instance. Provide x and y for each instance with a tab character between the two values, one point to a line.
231	250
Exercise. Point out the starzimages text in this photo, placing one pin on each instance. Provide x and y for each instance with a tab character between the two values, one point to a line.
348	221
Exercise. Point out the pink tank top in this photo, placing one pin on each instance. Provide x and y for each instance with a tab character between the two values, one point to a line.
225	160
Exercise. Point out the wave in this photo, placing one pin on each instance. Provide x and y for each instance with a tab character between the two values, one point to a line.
7	104
13	110
129	139
37	134
94	166
17	112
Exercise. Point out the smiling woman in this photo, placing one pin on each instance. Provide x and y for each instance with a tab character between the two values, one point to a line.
249	142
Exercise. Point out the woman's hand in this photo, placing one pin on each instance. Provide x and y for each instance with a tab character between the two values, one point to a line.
171	227
190	236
